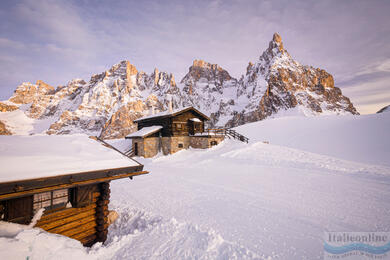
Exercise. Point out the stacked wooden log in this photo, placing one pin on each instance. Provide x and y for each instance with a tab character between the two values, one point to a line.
77	223
102	212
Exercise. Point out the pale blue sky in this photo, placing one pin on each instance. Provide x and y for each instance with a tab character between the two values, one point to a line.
56	41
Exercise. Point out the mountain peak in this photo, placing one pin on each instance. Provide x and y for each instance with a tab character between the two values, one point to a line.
277	38
206	65
276	43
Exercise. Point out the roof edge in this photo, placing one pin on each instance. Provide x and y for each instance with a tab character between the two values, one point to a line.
173	114
25	187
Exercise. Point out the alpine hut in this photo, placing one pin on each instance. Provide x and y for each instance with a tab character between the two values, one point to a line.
67	176
171	131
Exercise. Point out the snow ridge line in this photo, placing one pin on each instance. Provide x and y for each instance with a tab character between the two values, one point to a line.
276	155
165	239
259	153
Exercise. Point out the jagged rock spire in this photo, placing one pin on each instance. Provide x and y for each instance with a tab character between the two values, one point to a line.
276	43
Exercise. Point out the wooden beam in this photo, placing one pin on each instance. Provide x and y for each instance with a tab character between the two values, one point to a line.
72	225
29	184
66	220
79	229
88	241
64	213
69	185
84	234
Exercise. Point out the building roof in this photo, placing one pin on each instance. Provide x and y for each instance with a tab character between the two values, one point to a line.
38	156
166	114
146	131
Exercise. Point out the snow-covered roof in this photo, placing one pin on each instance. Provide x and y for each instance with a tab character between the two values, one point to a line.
172	113
146	131
29	157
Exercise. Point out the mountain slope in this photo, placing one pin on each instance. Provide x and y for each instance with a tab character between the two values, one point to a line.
277	82
384	109
108	104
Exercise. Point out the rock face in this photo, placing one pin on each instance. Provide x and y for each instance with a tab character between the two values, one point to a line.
277	82
108	104
209	88
7	108
384	109
4	130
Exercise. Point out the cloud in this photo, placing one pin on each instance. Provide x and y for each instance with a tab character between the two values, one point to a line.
369	96
58	40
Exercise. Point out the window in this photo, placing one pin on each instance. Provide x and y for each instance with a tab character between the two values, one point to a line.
180	145
179	126
51	199
212	143
198	126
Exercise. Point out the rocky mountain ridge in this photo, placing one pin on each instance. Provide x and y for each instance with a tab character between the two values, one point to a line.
108	104
384	109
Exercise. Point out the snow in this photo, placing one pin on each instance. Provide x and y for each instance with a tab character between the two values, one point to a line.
146	131
244	201
20	124
362	138
26	157
22	242
195	119
164	113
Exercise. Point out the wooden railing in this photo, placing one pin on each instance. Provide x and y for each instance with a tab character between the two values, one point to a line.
227	132
129	153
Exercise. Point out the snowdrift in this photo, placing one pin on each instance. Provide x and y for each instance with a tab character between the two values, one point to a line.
362	138
244	201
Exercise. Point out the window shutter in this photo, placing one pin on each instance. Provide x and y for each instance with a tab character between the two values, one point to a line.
82	196
19	210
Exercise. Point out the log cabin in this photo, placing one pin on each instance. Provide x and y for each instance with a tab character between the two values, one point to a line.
67	176
172	131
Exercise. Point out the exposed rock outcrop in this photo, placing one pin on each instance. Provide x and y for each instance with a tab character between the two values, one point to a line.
7	108
277	82
108	104
4	130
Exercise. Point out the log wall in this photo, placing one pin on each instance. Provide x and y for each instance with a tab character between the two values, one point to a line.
76	223
88	224
102	212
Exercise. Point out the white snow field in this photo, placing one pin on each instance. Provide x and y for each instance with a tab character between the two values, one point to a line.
242	201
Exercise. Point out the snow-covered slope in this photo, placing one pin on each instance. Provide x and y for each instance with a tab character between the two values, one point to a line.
358	138
276	82
384	109
108	104
210	88
244	201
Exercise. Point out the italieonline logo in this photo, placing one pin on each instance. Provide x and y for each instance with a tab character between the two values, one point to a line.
357	245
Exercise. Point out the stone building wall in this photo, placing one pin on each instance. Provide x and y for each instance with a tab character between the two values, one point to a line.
149	146
204	142
176	140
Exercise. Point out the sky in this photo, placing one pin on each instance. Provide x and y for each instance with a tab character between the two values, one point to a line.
56	41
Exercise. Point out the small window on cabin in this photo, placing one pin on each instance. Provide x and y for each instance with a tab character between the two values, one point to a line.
180	145
51	199
178	126
213	143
